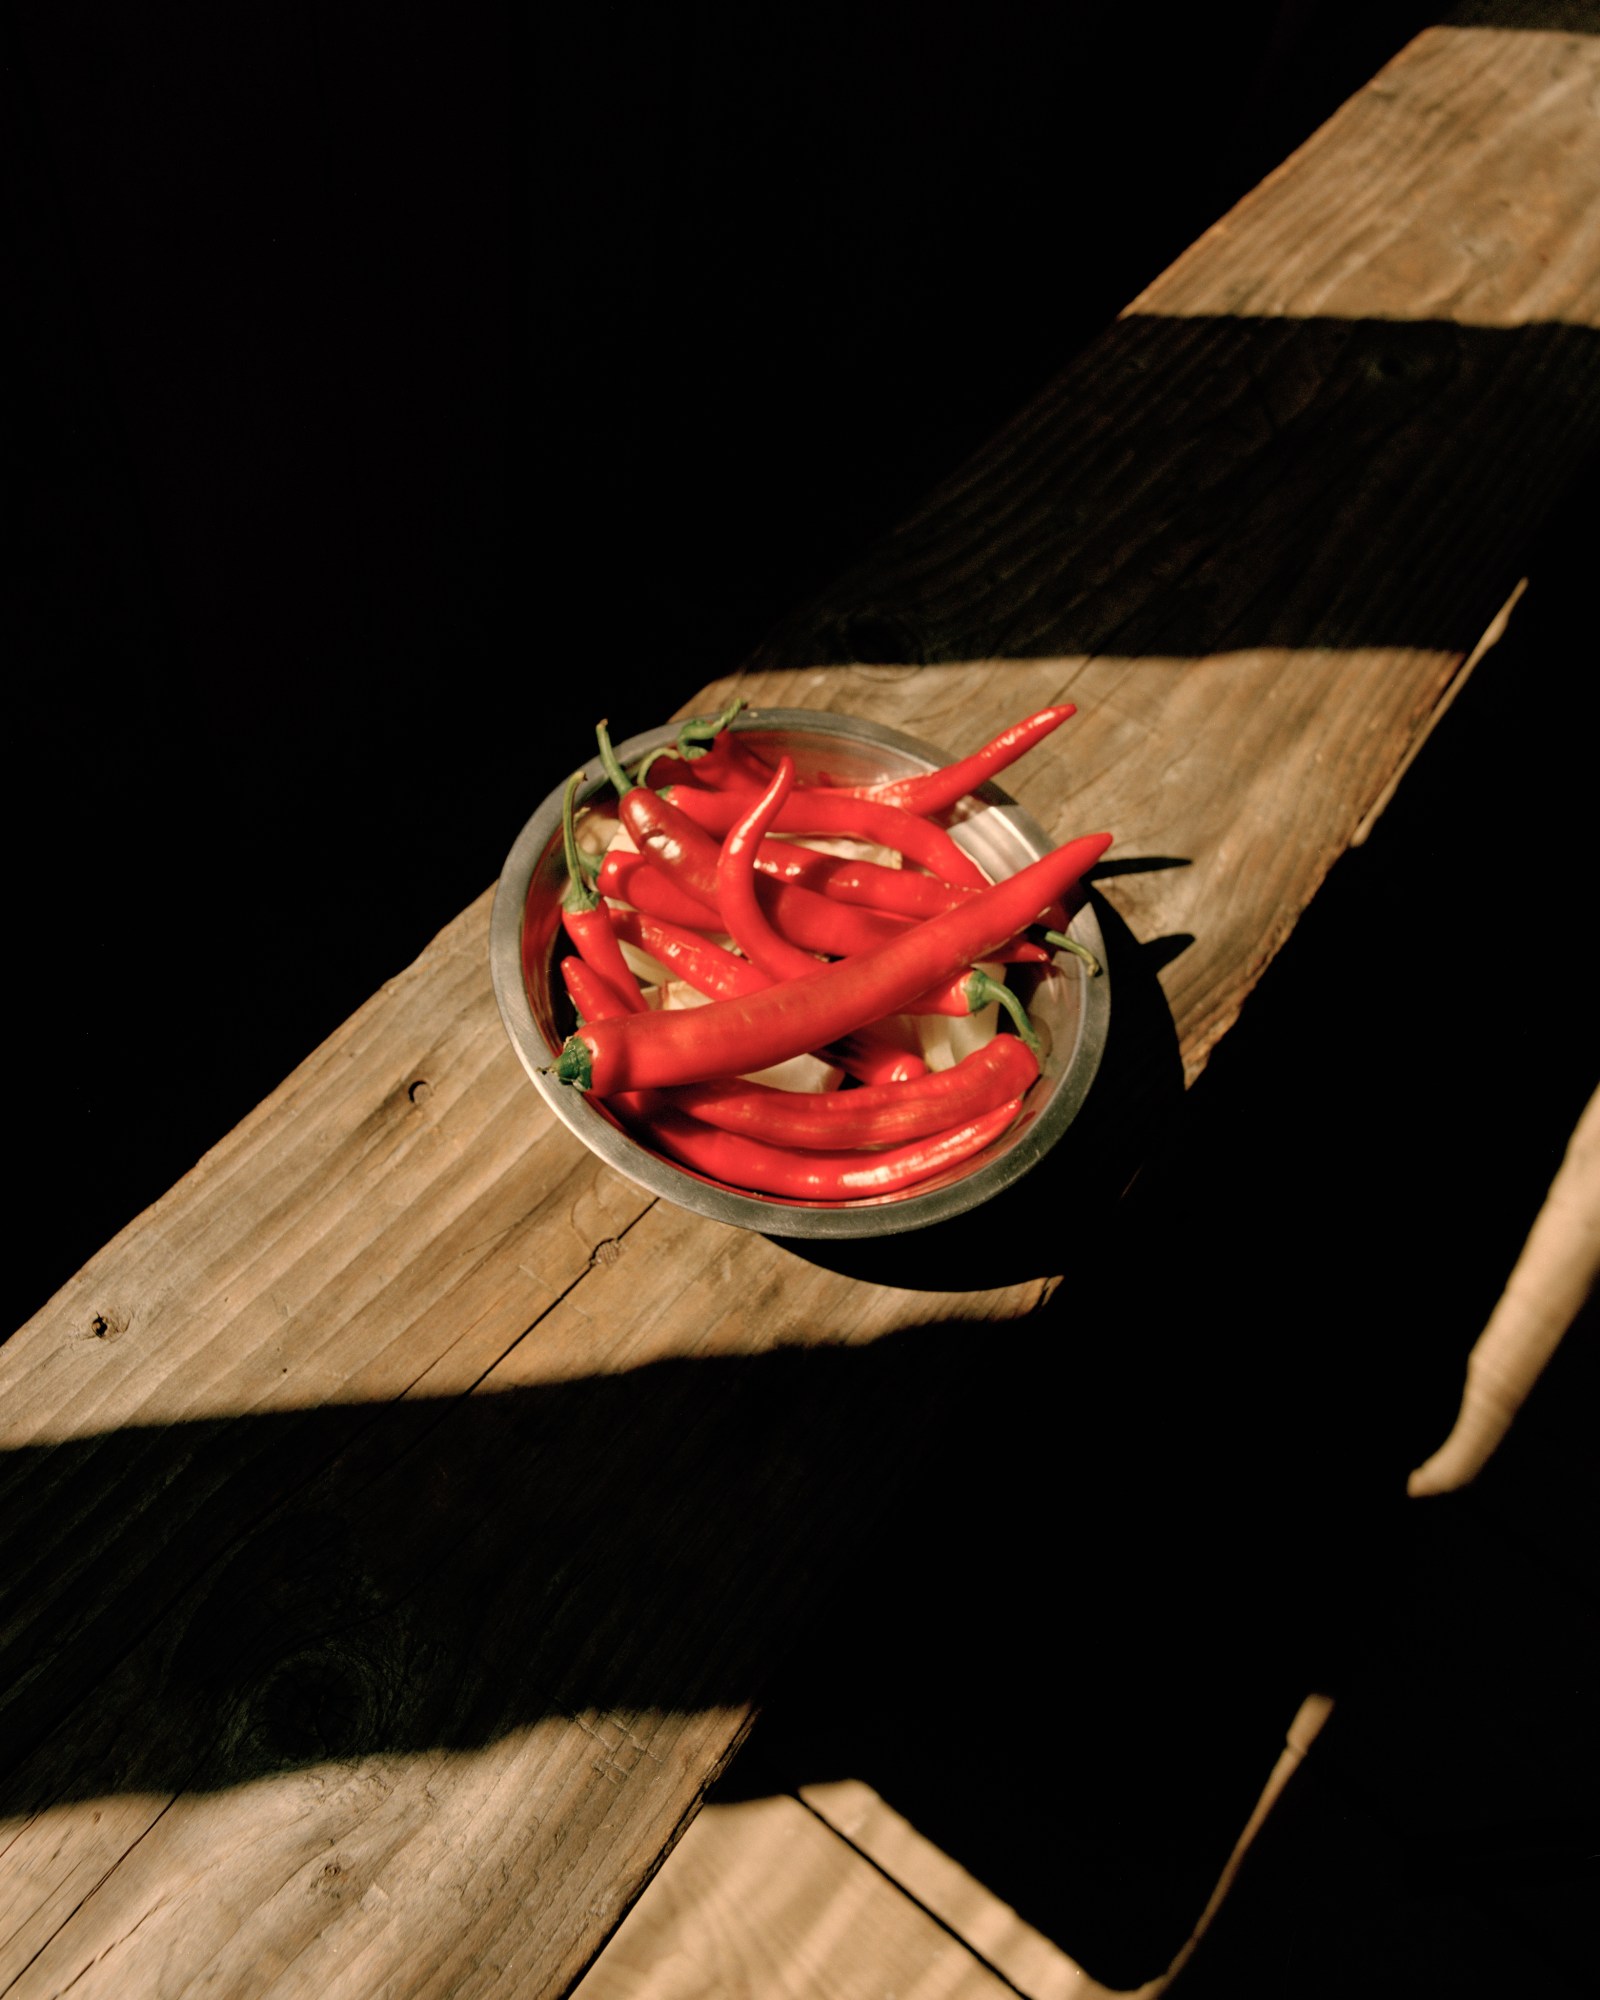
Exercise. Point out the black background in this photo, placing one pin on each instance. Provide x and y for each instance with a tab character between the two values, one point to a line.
394	392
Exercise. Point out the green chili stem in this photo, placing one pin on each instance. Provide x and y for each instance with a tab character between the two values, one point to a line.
1064	943
608	757
704	730
693	739
579	895
573	1064
982	988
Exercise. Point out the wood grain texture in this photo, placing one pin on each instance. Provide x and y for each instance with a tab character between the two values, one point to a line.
763	1898
1027	1959
400	1518
306	1607
1459	185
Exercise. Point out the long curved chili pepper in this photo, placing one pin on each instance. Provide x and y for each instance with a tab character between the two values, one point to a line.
937	791
734	1037
807	919
595	1001
875	1052
892	1114
696	960
742	915
586	919
872	1057
813	811
629	878
817	923
747	924
690	856
843	1175
903	892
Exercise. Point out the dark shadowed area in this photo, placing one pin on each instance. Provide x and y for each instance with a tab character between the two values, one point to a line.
392	396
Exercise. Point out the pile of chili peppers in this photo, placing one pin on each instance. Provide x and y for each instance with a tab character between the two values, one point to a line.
751	958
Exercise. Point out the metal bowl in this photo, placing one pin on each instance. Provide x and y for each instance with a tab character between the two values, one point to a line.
1070	1009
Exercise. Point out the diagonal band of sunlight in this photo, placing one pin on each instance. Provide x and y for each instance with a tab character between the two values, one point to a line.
1401	224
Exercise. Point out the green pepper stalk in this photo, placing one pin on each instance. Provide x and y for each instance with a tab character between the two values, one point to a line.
1079	951
585	916
695	739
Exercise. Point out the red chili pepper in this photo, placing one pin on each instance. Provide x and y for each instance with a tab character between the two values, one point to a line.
690	857
892	1114
734	1037
706	740
696	960
593	998
937	791
842	1175
813	922
674	843
742	914
904	892
969	993
629	878
810	811
732	760
872	1056
585	917
875	1053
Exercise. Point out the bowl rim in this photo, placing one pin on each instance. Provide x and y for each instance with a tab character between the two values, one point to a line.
965	1187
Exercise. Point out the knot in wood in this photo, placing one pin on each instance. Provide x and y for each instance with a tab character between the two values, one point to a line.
313	1707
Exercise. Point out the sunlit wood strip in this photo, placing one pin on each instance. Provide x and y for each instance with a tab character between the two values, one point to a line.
762	1898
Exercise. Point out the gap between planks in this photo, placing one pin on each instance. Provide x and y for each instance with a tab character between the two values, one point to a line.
830	1894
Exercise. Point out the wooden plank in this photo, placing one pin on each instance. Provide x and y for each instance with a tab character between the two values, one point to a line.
365	1469
541	1685
761	1899
1457	187
1029	1960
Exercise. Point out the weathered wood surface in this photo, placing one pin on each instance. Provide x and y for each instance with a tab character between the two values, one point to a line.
763	1897
401	1516
831	1892
1031	1963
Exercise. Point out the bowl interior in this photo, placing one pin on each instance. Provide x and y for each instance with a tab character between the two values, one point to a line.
1069	1009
